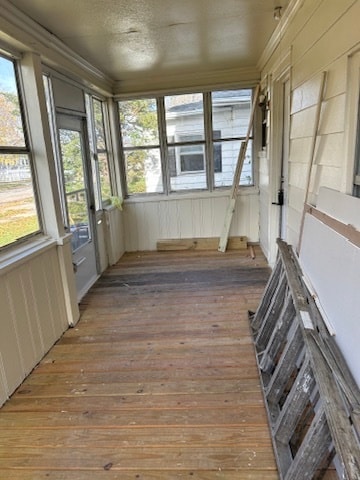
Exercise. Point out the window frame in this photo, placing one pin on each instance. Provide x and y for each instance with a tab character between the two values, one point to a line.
211	140
25	150
95	151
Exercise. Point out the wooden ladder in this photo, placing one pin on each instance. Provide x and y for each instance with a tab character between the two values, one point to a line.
313	403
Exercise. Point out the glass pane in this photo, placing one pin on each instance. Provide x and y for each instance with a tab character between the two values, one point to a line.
79	218
104	176
18	216
99	125
139	125
225	160
11	128
187	168
75	188
184	117
143	171
71	153
231	113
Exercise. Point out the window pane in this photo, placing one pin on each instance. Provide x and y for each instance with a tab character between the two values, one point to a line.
225	160
187	168
18	216
143	171
11	128
231	112
184	117
139	126
104	172
79	218
99	125
70	143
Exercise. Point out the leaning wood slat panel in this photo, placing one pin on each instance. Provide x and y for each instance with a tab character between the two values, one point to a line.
286	365
344	437
313	449
267	296
295	403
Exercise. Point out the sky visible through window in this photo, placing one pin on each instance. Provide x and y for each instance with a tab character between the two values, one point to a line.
7	80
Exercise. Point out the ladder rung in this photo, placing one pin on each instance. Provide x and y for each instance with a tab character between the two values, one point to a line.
286	364
313	450
295	403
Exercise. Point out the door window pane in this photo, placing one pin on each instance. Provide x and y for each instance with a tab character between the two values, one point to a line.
18	215
75	186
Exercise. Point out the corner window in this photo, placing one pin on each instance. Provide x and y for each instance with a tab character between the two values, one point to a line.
185	142
98	137
19	217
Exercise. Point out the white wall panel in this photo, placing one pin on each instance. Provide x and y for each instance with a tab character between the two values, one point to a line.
146	222
33	316
332	264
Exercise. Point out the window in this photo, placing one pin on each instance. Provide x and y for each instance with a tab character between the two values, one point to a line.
18	207
100	153
185	142
141	145
230	117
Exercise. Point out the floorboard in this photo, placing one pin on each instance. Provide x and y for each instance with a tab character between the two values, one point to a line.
157	381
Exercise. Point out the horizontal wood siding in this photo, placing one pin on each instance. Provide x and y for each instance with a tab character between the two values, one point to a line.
147	221
321	37
33	317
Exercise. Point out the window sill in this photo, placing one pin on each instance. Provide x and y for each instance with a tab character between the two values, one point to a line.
14	257
189	195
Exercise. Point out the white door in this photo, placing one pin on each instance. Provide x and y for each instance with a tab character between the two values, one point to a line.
78	199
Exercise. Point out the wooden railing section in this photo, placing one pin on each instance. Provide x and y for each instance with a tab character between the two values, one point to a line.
312	400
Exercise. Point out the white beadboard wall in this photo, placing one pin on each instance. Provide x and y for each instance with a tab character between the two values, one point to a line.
320	38
114	234
149	220
33	316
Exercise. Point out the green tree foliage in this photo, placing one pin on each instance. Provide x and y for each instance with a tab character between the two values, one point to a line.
139	128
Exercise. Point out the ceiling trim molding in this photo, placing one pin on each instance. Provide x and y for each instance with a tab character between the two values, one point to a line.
227	78
32	36
290	12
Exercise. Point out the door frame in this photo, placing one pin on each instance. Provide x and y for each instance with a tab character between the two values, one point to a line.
279	153
85	276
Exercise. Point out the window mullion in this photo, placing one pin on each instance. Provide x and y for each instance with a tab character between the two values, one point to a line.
163	145
208	141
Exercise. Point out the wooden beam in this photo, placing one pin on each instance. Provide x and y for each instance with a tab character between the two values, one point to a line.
235	186
235	243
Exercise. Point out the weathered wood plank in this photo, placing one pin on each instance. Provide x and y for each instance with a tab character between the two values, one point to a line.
234	243
157	381
206	458
136	474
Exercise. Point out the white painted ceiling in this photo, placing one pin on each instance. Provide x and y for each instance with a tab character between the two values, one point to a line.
159	38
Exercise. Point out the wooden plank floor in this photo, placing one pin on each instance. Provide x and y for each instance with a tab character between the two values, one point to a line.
157	381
